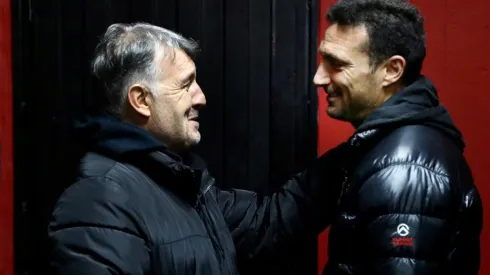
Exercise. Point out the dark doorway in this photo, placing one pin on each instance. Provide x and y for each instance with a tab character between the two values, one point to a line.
255	67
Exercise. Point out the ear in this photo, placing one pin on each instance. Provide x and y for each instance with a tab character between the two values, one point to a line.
394	68
139	99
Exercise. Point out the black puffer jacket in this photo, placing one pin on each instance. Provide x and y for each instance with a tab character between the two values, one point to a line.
139	209
409	204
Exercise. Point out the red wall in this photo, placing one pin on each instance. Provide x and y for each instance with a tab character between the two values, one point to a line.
458	62
6	157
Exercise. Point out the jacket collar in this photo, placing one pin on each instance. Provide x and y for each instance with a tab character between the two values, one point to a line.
368	137
415	104
109	136
168	170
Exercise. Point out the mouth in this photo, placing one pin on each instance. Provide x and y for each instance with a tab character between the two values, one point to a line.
194	120
331	93
193	115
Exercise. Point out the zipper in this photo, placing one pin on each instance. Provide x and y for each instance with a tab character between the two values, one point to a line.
344	186
213	235
204	191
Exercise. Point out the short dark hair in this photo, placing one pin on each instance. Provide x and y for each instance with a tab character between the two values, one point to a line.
126	54
394	27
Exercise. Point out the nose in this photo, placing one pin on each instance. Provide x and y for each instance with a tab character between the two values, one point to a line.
321	77
198	97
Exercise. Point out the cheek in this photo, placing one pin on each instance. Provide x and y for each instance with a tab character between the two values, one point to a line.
184	103
175	106
164	112
341	81
356	82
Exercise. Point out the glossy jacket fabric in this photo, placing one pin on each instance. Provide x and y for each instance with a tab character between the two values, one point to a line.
408	204
138	209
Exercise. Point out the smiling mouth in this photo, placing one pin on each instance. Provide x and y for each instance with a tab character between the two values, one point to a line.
331	93
193	115
332	98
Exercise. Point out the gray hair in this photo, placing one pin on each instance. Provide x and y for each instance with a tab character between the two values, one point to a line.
126	55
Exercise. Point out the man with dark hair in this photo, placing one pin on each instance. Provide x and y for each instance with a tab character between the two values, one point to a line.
142	204
408	203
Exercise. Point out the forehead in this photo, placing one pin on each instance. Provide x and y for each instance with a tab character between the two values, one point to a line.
346	40
176	64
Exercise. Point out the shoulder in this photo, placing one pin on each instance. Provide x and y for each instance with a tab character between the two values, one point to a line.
415	146
409	170
95	201
94	165
102	195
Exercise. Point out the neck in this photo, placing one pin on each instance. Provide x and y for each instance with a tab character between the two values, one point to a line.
387	93
392	89
356	124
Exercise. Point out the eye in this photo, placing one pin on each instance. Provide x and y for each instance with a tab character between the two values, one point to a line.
333	63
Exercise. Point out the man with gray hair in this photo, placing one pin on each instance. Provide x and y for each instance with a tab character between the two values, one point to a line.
142	203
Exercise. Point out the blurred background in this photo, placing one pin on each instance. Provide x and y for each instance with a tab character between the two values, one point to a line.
264	121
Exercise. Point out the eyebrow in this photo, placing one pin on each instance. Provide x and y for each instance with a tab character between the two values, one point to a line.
188	77
332	57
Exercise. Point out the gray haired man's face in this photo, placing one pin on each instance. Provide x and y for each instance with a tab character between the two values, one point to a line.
174	112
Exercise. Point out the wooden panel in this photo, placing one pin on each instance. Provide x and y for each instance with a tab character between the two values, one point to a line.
236	103
259	79
210	75
34	121
255	68
283	89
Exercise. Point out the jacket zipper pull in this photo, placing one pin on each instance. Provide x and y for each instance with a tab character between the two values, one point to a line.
343	187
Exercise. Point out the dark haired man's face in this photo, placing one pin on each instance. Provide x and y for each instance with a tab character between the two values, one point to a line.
353	87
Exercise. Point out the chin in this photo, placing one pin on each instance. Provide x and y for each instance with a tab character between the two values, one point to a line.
332	112
194	138
336	115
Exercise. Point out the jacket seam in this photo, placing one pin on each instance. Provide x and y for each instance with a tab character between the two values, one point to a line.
414	258
109	170
406	163
100	226
117	164
356	265
183	239
400	213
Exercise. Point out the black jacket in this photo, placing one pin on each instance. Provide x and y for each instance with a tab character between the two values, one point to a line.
409	204
137	208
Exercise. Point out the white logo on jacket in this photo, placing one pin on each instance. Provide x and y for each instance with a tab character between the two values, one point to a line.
403	229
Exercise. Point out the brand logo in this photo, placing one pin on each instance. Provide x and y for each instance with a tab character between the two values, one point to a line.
403	230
